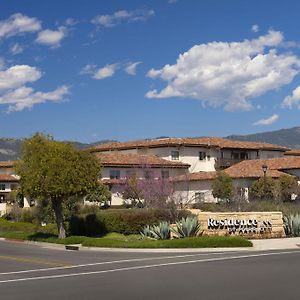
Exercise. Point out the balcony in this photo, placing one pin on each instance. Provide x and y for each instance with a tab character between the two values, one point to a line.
223	163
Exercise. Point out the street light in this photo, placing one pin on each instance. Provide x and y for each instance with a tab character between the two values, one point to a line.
264	168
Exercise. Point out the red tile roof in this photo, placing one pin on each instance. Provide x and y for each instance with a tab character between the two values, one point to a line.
235	174
293	152
207	142
7	164
8	178
117	159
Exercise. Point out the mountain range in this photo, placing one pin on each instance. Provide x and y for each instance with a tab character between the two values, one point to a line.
10	148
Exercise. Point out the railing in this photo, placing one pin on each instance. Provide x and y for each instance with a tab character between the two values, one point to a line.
223	163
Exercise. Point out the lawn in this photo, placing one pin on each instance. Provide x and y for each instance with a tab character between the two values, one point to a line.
116	240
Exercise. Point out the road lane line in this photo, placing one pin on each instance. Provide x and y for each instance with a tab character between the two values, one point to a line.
146	267
113	262
36	261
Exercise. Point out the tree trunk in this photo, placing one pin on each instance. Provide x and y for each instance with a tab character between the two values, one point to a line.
56	205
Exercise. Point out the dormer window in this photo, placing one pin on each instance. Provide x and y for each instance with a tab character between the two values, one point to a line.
175	155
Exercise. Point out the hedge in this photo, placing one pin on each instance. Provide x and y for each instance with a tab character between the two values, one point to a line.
126	221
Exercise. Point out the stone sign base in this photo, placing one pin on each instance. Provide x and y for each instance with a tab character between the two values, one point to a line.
257	225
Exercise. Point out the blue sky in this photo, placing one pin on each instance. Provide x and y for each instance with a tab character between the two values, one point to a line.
91	70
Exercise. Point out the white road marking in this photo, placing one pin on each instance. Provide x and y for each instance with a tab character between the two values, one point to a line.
112	262
147	266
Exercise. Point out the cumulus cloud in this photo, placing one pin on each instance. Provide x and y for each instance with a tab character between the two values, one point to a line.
16	49
18	96
292	100
100	73
267	121
51	38
120	16
228	74
18	24
17	76
106	71
255	28
131	67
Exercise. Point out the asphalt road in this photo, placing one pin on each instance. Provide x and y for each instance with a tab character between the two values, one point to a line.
31	272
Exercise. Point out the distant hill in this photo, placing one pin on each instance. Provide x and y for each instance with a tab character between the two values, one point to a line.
10	149
283	137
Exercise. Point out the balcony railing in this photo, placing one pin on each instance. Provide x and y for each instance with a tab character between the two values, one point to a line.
223	163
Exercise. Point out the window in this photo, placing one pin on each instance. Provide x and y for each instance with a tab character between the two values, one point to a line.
208	157
165	174
199	197
202	155
148	174
130	173
13	186
2	186
114	174
175	155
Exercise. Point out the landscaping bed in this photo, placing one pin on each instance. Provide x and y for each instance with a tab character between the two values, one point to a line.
116	240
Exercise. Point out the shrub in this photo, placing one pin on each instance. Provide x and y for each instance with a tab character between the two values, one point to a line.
157	232
125	221
187	227
292	225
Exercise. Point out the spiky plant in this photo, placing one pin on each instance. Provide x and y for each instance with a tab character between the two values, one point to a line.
161	231
157	232
292	225
187	227
146	233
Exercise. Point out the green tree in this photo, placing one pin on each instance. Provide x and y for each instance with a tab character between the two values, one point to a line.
263	189
287	186
222	186
100	194
56	171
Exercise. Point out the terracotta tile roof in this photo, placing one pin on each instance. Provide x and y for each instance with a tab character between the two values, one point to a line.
279	163
214	142
8	178
6	164
112	181
117	159
293	152
234	173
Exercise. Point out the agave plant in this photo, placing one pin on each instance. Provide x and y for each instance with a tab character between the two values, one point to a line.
157	232
146	233
292	225
187	227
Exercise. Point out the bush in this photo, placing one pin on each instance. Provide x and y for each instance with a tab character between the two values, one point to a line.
187	227
292	225
123	221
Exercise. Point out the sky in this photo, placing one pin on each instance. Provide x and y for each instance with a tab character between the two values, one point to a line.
91	70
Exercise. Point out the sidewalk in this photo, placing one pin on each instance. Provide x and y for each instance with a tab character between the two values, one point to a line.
276	244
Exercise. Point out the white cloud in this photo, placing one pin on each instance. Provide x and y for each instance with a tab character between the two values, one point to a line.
292	100
51	38
122	16
267	121
228	74
106	71
16	49
17	76
131	68
88	69
25	97
255	28
15	93
18	24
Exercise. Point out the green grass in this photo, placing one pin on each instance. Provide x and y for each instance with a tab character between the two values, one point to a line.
116	240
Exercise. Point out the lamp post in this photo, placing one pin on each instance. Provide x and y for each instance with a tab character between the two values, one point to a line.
264	168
